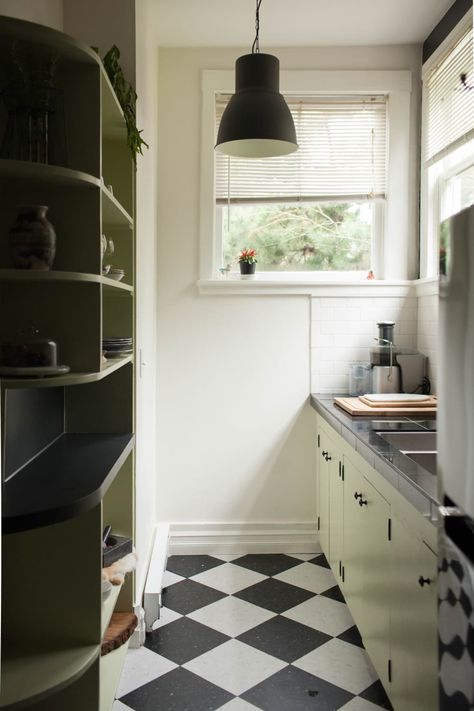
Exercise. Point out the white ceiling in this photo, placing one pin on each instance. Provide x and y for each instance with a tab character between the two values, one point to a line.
218	23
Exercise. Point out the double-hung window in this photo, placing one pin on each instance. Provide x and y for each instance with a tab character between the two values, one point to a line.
319	209
448	139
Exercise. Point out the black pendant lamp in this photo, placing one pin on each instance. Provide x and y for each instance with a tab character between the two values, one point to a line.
257	122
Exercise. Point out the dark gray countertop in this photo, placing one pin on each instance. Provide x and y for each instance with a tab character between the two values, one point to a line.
416	484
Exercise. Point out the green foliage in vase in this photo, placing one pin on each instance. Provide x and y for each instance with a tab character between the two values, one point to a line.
127	97
301	237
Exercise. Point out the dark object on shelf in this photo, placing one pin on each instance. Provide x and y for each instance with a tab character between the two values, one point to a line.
117	547
247	268
29	350
121	627
32	239
127	98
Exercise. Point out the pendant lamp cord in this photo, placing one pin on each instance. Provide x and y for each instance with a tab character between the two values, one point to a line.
256	43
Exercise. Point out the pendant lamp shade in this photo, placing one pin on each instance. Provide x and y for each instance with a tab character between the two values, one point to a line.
257	122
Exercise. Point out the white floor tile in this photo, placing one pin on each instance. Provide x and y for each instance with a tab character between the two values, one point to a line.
170	578
305	556
119	706
358	704
311	577
228	557
141	666
323	614
166	616
238	705
229	578
235	666
340	663
231	616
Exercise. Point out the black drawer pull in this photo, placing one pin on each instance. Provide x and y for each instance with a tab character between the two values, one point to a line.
325	454
423	581
357	496
362	502
328	458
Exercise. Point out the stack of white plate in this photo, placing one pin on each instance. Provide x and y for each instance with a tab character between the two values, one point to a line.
117	346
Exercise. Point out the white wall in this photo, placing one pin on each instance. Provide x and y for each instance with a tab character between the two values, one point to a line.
234	427
44	12
103	23
146	213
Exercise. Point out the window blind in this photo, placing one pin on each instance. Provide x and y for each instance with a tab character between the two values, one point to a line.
341	155
450	106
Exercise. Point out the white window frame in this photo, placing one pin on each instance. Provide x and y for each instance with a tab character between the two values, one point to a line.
434	178
391	255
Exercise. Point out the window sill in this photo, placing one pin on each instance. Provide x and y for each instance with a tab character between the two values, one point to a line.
304	285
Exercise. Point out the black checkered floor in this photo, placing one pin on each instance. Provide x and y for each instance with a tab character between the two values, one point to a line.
238	633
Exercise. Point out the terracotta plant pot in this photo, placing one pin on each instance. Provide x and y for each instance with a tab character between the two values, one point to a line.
33	239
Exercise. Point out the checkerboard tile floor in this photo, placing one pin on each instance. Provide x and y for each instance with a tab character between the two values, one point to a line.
237	633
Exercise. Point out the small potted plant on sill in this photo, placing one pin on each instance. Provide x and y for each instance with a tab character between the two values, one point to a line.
247	262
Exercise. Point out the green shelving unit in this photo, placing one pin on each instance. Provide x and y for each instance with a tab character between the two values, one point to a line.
67	441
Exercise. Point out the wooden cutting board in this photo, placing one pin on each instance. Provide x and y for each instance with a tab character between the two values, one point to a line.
355	407
428	402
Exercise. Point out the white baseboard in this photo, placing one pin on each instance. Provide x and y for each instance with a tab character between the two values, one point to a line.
154	580
202	538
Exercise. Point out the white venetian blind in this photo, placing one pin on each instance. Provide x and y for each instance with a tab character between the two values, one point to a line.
450	106
342	155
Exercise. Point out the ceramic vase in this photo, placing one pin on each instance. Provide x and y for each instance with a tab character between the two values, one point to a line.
33	239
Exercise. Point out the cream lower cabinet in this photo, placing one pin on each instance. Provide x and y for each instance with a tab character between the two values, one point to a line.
330	499
413	622
366	561
381	551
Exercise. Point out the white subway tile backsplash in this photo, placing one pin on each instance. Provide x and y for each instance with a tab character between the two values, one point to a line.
343	330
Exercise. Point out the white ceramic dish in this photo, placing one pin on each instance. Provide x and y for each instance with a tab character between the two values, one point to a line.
116	276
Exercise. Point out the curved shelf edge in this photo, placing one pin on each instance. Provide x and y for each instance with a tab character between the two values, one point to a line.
67	479
65	380
24	169
37	669
12	275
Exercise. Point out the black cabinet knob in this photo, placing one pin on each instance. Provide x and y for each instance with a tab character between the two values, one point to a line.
357	496
325	454
362	502
423	581
328	458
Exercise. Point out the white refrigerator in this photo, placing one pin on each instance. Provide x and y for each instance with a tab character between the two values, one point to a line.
456	463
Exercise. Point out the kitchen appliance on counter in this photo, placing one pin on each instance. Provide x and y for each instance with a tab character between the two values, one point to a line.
394	369
456	463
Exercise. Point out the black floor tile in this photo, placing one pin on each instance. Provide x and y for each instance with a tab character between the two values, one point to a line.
178	690
376	694
352	635
183	640
274	595
292	689
187	596
334	593
320	560
267	564
189	565
284	638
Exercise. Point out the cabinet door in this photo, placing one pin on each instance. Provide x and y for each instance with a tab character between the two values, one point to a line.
323	494
366	565
413	623
336	512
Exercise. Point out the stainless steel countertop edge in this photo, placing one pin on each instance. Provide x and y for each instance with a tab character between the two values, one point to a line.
412	481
